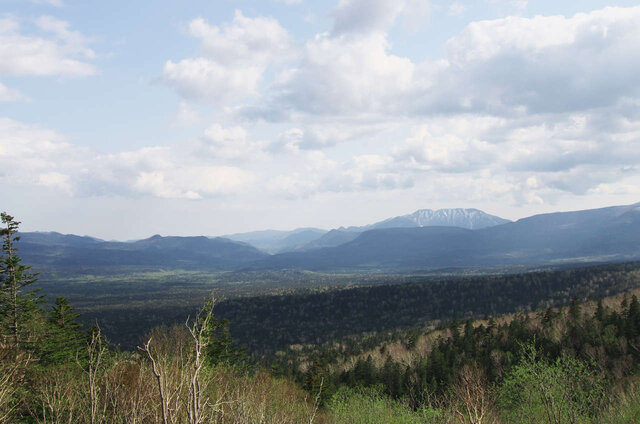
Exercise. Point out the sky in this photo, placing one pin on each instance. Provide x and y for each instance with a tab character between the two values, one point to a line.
123	119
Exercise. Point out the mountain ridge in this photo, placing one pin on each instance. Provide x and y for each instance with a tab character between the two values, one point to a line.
604	234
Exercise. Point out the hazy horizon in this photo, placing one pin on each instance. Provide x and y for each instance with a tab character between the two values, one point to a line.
285	229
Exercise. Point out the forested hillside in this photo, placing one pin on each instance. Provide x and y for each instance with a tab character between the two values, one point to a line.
268	323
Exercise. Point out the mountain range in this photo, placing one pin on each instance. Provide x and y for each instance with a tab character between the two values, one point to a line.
302	239
55	249
423	240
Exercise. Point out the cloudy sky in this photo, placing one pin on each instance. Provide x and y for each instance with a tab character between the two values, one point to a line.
123	119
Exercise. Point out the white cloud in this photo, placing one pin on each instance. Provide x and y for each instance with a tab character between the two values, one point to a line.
56	180
544	64
64	54
236	56
9	94
74	40
192	182
186	114
228	143
322	135
520	109
30	155
453	145
254	41
502	67
345	75
204	79
369	172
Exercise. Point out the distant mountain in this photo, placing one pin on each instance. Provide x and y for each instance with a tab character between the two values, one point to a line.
273	241
597	235
331	239
56	249
593	235
472	219
463	218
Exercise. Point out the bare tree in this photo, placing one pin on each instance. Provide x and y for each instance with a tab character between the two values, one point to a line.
472	401
161	379
10	371
168	350
95	353
198	330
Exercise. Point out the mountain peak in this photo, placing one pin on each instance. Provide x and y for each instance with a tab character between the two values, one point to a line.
471	219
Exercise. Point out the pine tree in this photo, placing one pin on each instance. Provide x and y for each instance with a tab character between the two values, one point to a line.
64	338
219	348
18	308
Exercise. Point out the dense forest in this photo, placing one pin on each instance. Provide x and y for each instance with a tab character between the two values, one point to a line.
545	363
269	323
271	311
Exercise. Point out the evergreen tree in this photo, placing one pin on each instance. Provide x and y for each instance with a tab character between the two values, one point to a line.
220	349
19	308
64	337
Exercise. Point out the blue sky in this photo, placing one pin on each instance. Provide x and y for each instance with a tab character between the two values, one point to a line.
125	119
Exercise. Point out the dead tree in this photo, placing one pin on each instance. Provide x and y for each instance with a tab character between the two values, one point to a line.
95	353
472	402
198	331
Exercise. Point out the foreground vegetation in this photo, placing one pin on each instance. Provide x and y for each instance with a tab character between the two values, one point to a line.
573	364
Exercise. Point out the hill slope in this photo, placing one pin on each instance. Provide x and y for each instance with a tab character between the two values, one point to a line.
56	249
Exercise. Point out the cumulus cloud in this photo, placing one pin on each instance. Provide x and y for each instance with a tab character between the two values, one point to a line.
193	182
205	79
540	64
345	75
514	65
539	160
30	155
243	41
519	109
53	50
235	57
451	145
319	136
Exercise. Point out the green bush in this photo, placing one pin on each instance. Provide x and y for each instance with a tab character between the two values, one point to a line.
369	406
563	391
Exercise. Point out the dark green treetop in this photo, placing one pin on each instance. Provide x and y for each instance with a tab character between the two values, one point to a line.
19	308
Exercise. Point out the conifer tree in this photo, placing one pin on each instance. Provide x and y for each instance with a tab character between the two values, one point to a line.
220	349
18	307
64	337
